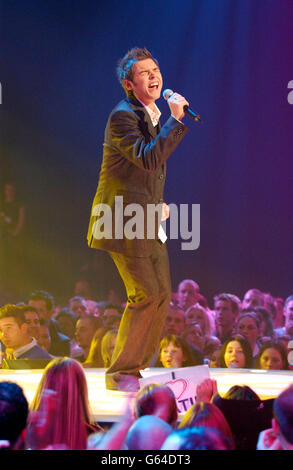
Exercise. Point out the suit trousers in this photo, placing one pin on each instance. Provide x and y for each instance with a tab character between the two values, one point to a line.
148	287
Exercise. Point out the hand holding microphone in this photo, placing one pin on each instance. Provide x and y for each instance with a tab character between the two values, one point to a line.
179	106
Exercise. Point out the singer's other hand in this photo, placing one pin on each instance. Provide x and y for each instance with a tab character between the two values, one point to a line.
176	104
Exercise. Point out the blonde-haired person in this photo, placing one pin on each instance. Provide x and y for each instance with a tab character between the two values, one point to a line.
108	345
197	314
65	411
94	358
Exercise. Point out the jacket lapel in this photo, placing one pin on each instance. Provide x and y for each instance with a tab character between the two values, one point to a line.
136	105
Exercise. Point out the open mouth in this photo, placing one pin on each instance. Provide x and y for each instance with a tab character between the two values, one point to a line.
154	86
233	364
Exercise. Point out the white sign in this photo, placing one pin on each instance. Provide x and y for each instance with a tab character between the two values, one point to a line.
183	383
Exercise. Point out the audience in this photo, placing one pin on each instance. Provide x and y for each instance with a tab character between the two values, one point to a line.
244	338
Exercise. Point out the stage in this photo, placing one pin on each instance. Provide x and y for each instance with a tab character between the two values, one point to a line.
108	406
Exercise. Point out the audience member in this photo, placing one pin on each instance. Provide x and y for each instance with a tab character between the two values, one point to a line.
174	352
246	414
287	329
44	303
147	433
272	356
13	415
112	316
188	293
33	321
108	345
14	334
94	358
67	322
157	400
236	353
266	323
66	379
79	306
44	338
214	356
248	326
278	321
197	438
226	308
280	435
253	298
198	314
207	415
193	335
84	333
174	322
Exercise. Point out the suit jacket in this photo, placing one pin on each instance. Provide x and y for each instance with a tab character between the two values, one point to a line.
60	344
133	166
36	352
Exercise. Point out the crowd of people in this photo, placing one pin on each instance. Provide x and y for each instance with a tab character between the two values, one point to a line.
239	420
253	332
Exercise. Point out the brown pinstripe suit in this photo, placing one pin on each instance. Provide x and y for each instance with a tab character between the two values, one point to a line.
134	166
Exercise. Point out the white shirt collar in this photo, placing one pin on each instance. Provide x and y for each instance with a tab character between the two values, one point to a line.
154	114
20	351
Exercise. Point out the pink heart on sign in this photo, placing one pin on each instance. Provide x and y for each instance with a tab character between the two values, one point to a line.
178	391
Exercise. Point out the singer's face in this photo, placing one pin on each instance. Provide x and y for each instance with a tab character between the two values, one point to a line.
147	81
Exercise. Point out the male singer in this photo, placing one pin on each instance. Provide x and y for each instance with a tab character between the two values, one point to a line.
136	148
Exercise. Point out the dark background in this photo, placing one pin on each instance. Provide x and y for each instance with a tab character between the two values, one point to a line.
232	59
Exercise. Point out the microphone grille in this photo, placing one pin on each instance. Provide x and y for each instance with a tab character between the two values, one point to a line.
167	93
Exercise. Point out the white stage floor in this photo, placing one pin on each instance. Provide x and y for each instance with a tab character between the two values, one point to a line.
107	406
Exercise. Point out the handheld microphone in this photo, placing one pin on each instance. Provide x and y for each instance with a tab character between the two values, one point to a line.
196	117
